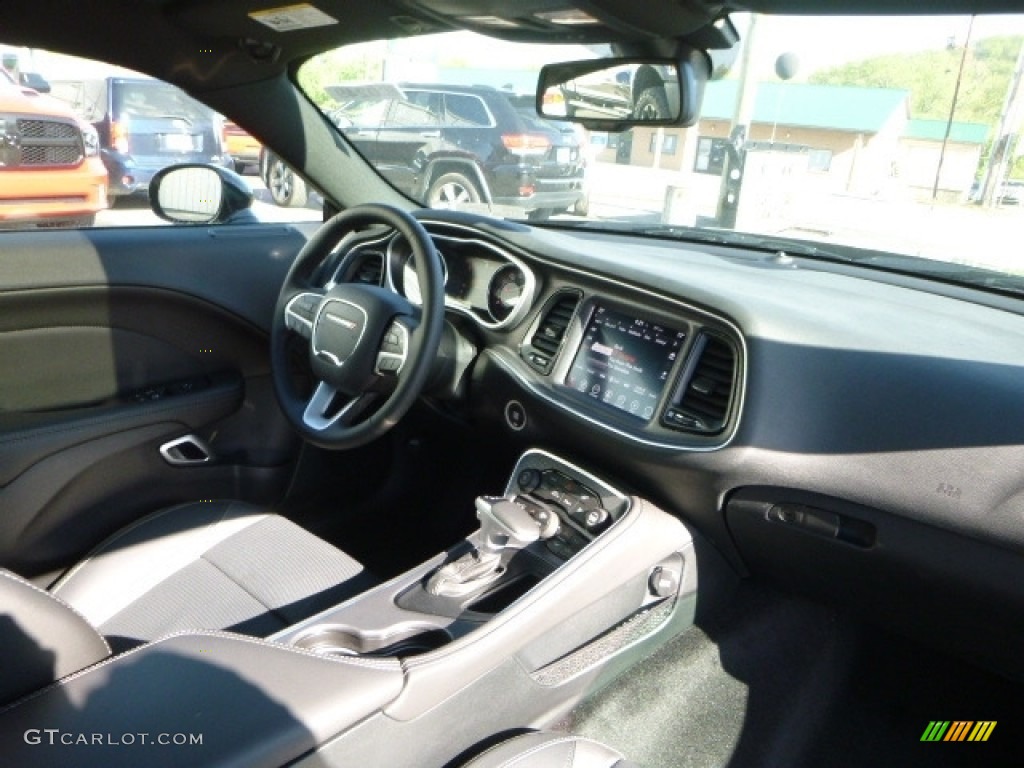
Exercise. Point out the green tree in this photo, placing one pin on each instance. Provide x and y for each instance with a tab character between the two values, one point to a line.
338	66
930	76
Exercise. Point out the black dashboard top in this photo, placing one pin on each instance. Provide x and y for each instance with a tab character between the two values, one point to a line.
898	396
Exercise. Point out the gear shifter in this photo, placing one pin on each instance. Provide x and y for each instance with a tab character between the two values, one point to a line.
506	525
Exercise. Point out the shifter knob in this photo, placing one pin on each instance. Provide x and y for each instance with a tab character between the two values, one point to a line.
505	524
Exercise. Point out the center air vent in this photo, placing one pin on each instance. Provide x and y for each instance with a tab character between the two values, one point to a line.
547	339
370	269
702	403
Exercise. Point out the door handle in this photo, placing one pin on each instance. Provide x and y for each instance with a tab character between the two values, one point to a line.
186	451
430	134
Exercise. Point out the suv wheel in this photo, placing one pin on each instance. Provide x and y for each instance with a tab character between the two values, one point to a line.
285	187
451	190
582	206
652	104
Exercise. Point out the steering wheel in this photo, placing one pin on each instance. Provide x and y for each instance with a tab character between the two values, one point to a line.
367	345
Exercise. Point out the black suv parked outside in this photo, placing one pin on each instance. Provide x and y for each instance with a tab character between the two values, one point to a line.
144	125
453	146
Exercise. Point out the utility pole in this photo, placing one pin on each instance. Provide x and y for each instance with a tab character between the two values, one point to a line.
1008	126
952	108
735	157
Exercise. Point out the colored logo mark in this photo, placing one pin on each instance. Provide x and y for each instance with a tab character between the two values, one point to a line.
958	730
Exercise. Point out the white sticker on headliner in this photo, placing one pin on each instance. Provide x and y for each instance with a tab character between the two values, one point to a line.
288	18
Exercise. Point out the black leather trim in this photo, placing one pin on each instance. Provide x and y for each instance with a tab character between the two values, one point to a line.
26	438
251	702
42	638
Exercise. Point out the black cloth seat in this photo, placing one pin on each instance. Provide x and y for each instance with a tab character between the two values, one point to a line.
208	565
549	750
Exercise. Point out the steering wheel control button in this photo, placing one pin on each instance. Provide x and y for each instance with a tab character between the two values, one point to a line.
300	313
664	582
338	330
515	415
393	349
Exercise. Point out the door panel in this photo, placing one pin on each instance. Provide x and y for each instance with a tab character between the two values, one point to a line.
113	342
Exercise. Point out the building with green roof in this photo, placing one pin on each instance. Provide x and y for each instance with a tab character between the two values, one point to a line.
846	139
828	107
935	130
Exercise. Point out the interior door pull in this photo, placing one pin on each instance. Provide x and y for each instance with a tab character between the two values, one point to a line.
186	451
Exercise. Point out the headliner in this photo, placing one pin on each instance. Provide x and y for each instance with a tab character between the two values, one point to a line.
198	43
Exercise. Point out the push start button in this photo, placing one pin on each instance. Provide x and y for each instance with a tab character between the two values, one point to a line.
515	415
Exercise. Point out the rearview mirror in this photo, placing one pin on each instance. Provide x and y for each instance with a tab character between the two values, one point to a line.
200	194
614	94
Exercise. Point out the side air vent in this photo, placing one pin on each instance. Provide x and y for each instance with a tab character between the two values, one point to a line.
370	269
702	404
550	332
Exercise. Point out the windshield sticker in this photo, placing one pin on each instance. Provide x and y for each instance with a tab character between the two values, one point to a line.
289	18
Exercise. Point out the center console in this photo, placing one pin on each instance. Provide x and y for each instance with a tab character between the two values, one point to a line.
568	582
550	511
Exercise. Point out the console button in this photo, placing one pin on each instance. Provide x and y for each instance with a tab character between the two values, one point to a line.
560	548
595	518
576	541
528	480
664	582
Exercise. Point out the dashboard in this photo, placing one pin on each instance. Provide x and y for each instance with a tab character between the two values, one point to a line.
482	281
649	369
808	418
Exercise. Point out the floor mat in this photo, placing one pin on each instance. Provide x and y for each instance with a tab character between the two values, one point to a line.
777	681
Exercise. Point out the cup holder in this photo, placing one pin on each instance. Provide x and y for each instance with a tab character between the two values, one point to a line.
331	640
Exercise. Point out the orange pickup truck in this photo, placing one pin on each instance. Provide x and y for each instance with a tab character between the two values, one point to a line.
51	174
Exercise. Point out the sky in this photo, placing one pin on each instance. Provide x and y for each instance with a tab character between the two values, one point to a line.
821	43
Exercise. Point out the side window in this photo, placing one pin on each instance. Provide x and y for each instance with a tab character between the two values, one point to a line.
819	160
419	109
669	142
93	100
85	156
464	111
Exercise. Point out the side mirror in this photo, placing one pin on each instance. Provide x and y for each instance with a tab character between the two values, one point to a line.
193	193
614	94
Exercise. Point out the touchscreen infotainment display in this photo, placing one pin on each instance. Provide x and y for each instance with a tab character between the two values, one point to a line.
624	361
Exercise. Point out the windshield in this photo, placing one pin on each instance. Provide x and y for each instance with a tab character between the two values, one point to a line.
890	134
